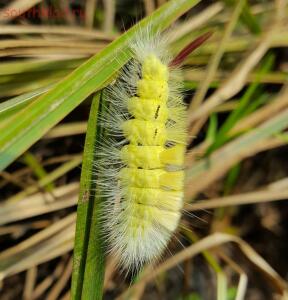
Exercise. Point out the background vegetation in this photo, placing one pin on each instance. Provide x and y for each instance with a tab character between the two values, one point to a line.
55	59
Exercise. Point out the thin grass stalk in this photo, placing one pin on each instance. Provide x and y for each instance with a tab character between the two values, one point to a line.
88	249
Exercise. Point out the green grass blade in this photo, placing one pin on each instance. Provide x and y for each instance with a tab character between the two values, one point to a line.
262	99
283	136
88	242
231	179
13	85
31	161
212	128
31	123
14	105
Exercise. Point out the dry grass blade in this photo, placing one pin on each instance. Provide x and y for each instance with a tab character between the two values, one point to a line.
70	16
109	6
50	43
243	279
279	184
57	245
211	241
48	281
235	82
61	283
57	30
262	114
38	237
55	174
223	159
149	7
216	58
242	286
30	280
40	203
195	22
44	52
213	174
237	79
66	130
17	5
220	77
248	198
138	288
111	265
267	144
90	12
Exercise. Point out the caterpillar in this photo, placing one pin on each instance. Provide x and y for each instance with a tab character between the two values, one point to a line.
141	165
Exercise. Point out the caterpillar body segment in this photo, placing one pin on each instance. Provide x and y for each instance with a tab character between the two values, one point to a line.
148	109
142	157
143	170
156	178
160	198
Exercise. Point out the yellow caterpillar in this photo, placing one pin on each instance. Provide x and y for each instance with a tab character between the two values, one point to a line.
142	161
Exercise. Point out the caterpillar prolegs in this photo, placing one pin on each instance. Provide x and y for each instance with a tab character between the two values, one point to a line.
142	160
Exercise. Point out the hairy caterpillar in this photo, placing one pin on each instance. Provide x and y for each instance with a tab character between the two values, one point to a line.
141	165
